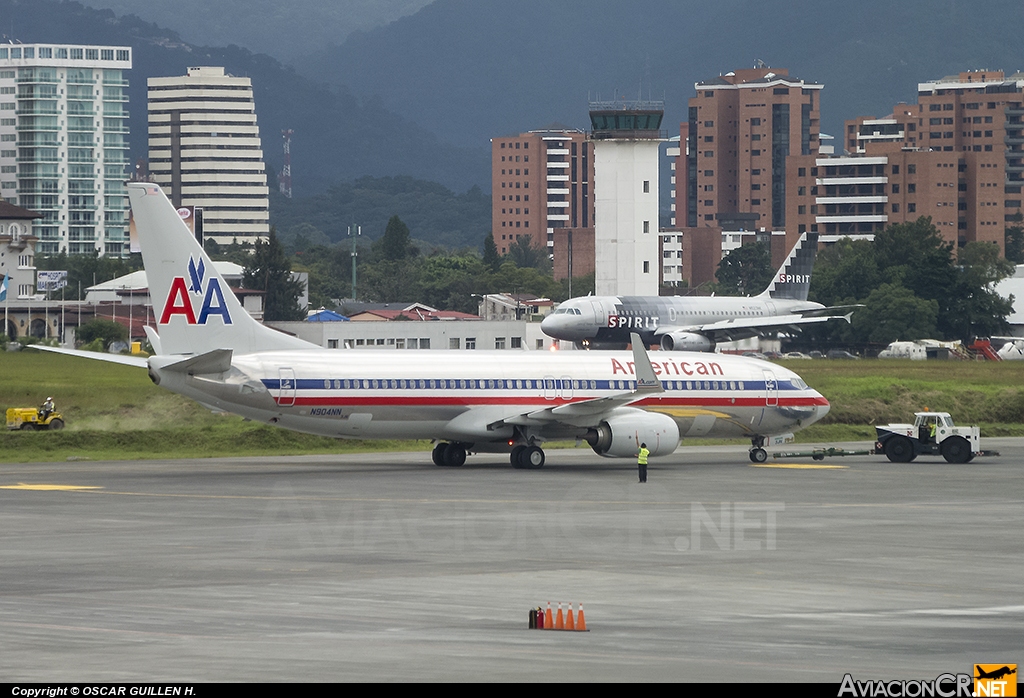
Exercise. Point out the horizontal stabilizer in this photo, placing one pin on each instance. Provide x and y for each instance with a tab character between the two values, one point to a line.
216	361
124	359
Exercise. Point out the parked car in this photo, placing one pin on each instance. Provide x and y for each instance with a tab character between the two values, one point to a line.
841	354
795	355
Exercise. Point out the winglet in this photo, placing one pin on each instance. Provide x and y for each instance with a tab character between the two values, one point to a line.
646	378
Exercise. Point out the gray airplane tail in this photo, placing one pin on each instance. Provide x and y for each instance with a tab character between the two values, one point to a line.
793	280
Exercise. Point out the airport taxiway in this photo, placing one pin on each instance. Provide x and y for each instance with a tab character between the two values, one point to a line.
382	567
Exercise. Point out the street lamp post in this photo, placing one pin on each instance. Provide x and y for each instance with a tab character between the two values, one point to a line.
354	234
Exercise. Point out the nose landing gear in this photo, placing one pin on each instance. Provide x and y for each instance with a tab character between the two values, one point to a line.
757	452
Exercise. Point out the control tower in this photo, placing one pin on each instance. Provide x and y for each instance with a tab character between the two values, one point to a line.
626	136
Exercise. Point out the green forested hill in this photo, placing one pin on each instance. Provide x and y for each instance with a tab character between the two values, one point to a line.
474	69
433	212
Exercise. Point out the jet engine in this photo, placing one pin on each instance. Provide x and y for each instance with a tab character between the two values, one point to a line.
686	341
621	435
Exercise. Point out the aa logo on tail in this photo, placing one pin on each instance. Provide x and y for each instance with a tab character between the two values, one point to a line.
182	298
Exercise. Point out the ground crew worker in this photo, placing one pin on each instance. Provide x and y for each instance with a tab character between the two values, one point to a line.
641	462
931	431
46	408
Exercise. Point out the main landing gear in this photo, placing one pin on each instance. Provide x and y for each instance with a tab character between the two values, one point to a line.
757	452
527	457
451	455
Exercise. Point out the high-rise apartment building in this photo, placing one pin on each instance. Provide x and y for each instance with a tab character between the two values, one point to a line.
957	156
64	143
541	181
742	127
205	151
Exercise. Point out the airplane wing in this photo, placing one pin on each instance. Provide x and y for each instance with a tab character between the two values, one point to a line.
590	411
742	328
831	311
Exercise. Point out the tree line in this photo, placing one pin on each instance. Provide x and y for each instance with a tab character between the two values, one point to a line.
912	283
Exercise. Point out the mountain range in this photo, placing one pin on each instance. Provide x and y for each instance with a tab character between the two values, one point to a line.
470	70
423	94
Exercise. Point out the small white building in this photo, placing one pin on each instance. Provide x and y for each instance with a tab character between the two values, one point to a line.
462	335
1014	286
513	306
17	250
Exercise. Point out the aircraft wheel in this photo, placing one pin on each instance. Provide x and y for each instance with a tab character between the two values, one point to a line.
898	449
758	455
437	455
514	456
454	455
532	458
955	449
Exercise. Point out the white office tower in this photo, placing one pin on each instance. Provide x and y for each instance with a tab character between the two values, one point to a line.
626	138
64	143
205	151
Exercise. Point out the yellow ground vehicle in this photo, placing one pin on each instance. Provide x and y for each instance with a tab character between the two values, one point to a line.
30	418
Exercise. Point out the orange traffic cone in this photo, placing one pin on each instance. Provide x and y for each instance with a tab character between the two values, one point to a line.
581	622
569	624
560	619
549	624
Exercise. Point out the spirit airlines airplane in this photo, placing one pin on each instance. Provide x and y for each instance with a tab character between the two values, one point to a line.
208	348
691	323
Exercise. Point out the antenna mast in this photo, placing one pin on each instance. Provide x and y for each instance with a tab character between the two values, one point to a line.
284	180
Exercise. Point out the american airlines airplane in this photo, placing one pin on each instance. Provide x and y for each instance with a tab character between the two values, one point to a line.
209	349
692	323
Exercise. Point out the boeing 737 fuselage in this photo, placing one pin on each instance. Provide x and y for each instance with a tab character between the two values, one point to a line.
209	349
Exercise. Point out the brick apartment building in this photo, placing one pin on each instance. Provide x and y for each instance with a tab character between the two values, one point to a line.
956	156
541	182
742	127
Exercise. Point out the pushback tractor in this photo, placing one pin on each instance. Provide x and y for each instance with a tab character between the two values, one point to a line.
931	434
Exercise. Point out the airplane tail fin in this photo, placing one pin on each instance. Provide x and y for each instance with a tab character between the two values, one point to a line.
196	311
793	279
